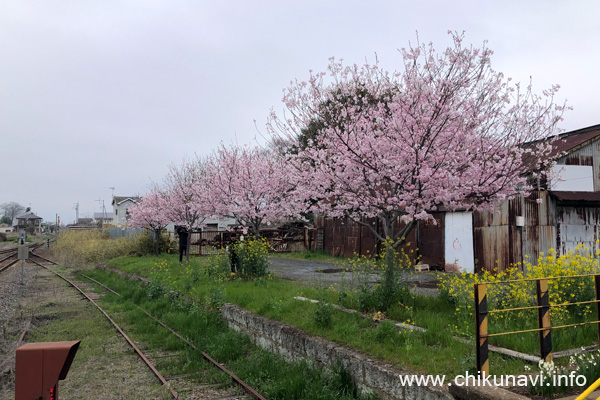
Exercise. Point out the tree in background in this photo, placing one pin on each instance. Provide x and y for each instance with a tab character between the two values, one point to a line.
6	220
150	213
12	210
188	195
446	132
251	185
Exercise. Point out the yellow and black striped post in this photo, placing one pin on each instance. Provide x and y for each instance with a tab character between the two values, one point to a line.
543	301
597	287
481	329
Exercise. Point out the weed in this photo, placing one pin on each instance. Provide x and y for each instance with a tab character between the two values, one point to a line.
323	315
155	290
215	298
341	380
385	330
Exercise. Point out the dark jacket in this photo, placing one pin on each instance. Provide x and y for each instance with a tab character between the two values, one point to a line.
183	237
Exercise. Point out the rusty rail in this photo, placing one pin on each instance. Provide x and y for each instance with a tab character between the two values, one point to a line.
129	341
43	258
10	264
248	389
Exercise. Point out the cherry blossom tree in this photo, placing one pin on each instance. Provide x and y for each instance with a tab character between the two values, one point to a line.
188	195
251	185
446	132
150	213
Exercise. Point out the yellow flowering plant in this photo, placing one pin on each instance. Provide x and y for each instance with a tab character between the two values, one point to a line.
520	290
253	257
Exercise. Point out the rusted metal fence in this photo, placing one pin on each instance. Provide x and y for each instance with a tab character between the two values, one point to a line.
280	240
543	308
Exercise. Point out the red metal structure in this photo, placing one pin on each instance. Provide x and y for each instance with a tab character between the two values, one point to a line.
39	367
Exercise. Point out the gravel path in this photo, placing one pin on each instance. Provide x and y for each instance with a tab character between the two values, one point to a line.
11	290
323	274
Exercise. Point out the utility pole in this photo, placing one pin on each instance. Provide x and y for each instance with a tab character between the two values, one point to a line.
101	202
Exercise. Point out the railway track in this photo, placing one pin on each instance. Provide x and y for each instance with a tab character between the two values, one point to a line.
7	259
246	392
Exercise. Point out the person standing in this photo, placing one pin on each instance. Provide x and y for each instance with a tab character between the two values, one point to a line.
183	241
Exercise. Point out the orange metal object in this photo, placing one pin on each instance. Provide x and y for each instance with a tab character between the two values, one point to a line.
39	367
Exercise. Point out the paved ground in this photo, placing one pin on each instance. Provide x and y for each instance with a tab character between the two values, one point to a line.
319	273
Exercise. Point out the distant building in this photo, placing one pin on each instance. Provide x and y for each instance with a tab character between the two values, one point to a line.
105	218
30	222
5	228
120	205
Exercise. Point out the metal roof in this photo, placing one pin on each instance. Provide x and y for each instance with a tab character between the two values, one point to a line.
576	196
570	141
29	216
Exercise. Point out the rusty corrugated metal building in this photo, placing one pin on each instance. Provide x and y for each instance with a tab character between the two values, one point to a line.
561	215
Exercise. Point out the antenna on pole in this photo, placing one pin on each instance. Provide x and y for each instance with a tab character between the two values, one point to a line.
76	212
112	193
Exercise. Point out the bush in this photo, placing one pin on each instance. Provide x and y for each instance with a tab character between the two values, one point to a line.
146	244
3	237
252	257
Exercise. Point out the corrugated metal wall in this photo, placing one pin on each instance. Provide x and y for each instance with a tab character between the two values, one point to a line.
586	155
342	236
500	243
577	225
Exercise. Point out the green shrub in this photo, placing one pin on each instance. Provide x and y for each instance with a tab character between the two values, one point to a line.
323	315
155	290
145	243
2	237
252	257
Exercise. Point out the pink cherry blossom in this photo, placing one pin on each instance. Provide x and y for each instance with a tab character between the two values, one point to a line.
445	133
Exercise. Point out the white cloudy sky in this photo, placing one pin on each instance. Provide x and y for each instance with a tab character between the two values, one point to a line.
101	94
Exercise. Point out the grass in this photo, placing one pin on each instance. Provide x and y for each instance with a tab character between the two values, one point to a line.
104	366
431	353
269	374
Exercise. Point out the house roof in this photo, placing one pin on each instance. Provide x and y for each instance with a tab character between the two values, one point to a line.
28	216
573	140
98	215
120	199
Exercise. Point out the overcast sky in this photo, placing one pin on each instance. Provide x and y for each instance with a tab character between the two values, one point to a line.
101	94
